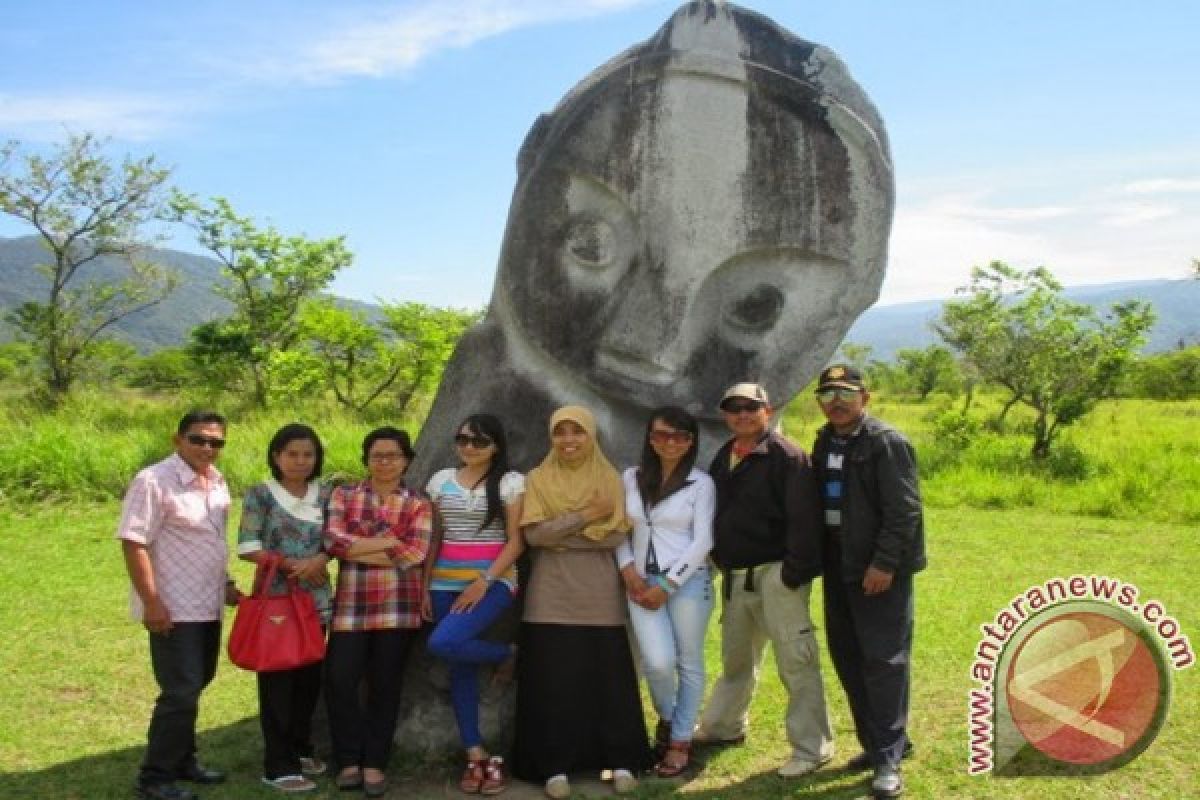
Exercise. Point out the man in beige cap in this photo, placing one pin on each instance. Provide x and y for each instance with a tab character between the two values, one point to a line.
767	544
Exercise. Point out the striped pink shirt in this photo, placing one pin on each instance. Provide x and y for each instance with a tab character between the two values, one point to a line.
182	525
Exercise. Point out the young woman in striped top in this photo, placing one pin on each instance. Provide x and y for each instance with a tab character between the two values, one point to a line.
473	578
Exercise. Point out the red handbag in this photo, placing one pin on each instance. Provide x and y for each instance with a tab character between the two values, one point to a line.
275	632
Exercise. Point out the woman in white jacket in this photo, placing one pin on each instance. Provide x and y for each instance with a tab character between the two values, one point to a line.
667	577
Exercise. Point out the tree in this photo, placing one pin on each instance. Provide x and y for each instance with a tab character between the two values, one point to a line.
84	207
362	362
931	368
347	353
1053	355
424	339
269	277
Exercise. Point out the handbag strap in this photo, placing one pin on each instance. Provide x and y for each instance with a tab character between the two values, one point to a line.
264	574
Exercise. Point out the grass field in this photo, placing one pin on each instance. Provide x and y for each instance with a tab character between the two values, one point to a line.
77	690
1121	497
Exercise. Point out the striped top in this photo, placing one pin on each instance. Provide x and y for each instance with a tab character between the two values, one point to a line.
466	550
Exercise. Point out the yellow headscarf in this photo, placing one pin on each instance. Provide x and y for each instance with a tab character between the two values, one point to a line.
555	487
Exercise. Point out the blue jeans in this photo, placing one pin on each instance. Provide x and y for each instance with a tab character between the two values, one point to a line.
671	643
456	640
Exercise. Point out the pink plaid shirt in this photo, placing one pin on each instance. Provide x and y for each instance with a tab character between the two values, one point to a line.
182	526
369	597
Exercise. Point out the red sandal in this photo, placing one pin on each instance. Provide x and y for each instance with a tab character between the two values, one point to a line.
495	777
473	776
670	767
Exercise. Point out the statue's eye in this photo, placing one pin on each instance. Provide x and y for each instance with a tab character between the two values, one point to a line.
757	310
591	242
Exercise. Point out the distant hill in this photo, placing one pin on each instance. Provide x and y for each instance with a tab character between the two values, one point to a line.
164	325
887	329
884	328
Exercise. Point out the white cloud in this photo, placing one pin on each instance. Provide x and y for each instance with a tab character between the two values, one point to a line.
1163	186
937	239
1138	215
133	117
396	40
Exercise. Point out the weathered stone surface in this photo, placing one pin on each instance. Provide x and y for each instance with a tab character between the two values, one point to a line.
710	206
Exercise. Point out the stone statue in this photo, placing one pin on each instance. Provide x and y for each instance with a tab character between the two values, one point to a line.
710	206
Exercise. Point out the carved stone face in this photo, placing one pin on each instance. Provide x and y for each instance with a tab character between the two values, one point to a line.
689	220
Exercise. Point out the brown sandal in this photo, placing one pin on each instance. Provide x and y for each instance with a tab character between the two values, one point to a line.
670	767
472	778
495	777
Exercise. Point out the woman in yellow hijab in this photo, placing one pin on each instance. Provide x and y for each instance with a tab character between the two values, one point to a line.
578	707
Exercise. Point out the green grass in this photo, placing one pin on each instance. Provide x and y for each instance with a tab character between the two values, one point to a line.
1121	496
1128	459
77	690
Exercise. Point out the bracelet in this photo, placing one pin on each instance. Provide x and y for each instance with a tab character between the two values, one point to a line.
664	584
487	577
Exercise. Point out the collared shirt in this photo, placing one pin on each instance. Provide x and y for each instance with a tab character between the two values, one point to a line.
376	597
275	521
181	521
681	527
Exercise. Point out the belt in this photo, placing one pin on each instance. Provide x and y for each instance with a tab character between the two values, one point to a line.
733	573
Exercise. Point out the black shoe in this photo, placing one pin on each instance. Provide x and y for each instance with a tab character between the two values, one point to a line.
887	783
198	773
862	761
163	791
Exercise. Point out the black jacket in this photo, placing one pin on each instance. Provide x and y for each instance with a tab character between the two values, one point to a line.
768	509
882	521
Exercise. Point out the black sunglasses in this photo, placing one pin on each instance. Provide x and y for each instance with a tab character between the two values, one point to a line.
738	406
478	441
205	441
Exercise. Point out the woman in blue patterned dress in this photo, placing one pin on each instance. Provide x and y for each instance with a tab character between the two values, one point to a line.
283	517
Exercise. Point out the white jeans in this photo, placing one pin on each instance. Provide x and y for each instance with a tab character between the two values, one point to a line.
671	643
770	611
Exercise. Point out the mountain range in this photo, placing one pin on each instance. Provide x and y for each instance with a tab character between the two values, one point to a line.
885	329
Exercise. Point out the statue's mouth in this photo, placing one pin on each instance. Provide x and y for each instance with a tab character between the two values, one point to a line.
627	367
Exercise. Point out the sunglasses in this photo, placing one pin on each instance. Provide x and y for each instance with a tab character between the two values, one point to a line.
478	441
827	395
670	437
205	441
738	406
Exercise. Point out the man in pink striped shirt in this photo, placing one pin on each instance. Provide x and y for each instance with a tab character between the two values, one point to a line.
172	532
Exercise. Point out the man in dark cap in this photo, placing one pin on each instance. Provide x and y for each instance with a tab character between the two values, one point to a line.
874	543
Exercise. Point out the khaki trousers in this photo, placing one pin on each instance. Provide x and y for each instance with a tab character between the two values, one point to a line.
769	611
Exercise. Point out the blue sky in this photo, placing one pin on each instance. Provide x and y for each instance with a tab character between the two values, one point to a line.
1060	133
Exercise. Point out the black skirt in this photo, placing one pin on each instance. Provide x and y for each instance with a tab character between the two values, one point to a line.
578	707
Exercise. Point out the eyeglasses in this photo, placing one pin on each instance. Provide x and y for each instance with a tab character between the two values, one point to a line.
478	441
383	458
738	406
670	437
205	441
827	395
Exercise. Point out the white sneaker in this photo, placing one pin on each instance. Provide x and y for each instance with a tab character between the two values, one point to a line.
558	787
797	766
623	781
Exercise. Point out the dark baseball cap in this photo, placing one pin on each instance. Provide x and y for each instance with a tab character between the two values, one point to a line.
841	376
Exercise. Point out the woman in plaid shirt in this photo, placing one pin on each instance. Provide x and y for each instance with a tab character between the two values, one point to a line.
379	531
